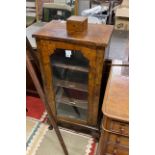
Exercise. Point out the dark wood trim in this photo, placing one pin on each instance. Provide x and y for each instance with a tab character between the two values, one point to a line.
93	131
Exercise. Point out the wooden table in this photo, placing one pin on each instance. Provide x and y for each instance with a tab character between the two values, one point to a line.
115	136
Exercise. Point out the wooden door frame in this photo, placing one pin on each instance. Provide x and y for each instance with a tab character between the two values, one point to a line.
46	49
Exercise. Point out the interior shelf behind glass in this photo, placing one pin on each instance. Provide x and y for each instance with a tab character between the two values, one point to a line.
71	112
75	62
72	98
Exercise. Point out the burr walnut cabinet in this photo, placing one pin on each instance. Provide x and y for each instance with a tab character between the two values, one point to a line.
71	68
114	139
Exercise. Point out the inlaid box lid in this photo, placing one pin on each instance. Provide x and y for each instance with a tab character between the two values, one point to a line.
116	100
97	35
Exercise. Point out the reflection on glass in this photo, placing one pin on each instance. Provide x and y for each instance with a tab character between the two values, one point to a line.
70	78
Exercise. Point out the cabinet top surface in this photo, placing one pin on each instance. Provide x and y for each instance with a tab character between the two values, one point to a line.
97	34
116	100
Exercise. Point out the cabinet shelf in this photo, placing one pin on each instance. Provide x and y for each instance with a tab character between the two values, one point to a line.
71	67
67	111
71	85
62	98
75	63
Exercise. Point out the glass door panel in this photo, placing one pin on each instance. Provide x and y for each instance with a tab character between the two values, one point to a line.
70	78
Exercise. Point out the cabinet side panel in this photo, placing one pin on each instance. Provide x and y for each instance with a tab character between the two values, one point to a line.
98	77
44	48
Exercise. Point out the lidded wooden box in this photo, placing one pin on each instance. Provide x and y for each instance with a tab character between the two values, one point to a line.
77	24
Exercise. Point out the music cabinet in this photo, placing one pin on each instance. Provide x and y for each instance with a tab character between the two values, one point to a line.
71	68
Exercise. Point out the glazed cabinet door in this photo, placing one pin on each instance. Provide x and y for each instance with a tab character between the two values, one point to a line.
70	70
69	74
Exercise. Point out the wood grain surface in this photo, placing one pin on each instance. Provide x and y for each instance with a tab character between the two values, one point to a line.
97	36
116	101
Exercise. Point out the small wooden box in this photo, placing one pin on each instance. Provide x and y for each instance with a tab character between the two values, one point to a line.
77	24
